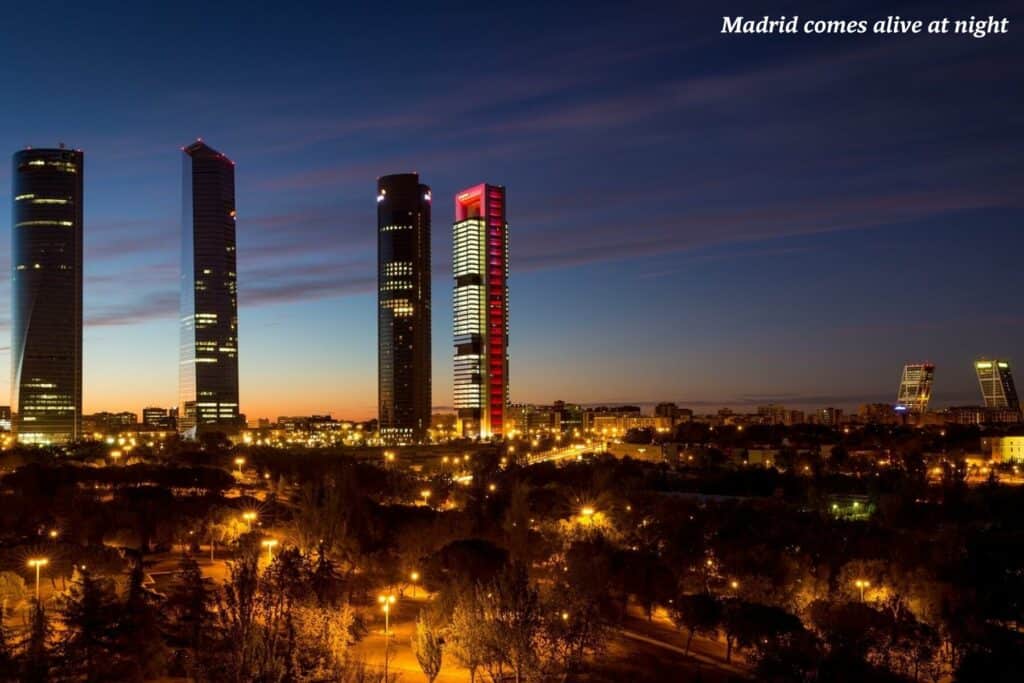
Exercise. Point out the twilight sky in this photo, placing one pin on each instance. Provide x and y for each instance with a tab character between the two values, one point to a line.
715	220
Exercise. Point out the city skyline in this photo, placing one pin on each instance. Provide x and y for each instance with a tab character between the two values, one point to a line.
771	252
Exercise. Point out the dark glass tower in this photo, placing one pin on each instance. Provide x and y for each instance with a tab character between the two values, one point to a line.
403	308
208	374
46	260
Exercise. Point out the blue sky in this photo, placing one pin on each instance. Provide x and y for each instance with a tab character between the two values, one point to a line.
716	220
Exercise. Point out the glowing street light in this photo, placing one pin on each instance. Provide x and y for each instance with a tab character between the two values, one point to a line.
862	584
249	517
385	604
54	533
425	495
238	463
269	544
414	577
115	456
38	563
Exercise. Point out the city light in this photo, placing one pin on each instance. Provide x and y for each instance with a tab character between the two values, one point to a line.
270	544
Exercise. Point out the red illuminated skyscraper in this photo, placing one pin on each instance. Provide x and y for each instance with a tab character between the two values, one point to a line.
480	310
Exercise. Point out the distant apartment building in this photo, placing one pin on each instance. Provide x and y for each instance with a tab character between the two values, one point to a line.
772	414
109	423
1004	448
158	417
980	415
669	410
877	413
5	418
830	417
915	388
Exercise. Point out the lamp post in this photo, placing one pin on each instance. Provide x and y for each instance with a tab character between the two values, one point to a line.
385	604
249	517
239	462
862	584
269	545
425	495
414	577
38	563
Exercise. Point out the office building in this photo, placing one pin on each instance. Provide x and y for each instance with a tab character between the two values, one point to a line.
915	388
46	263
480	311
403	308
208	374
996	382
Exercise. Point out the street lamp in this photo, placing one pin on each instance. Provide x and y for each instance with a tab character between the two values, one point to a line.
249	517
115	456
862	584
53	534
269	545
425	495
239	462
414	577
38	562
385	604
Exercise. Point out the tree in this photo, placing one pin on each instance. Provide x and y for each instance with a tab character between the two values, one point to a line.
36	662
89	613
139	639
467	632
512	605
189	616
7	667
697	613
12	591
427	645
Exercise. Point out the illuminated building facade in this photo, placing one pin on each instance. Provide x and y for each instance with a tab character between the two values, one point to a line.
208	373
480	310
996	382
403	308
915	388
46	261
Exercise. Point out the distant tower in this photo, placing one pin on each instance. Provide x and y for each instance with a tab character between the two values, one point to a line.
996	382
208	374
403	308
46	262
480	310
915	388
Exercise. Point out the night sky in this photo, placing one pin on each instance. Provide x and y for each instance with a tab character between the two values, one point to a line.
715	220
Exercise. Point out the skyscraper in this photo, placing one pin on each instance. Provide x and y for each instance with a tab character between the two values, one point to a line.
208	374
915	388
996	382
46	260
403	308
480	310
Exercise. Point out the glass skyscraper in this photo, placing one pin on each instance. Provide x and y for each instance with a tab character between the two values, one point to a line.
403	308
208	373
46	261
480	310
915	388
996	382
